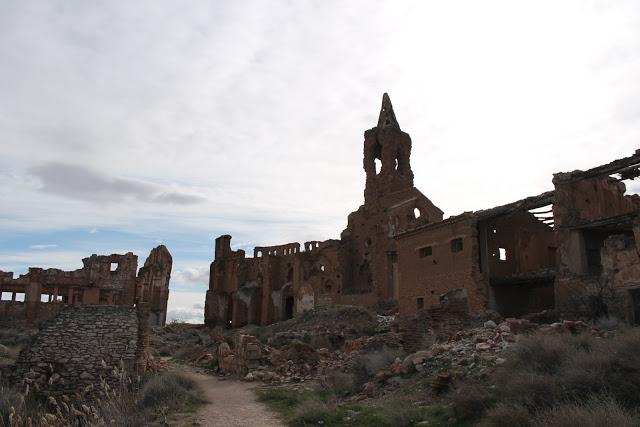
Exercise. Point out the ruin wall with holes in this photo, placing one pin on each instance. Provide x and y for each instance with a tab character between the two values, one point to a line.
552	251
596	226
276	284
437	259
104	280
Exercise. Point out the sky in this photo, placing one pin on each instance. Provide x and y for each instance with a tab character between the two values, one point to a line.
124	125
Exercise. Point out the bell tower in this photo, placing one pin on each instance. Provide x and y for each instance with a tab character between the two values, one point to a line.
388	144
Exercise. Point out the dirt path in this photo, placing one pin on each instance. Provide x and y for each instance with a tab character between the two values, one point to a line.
232	403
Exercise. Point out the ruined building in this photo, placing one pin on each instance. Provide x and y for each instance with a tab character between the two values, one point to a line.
572	248
104	280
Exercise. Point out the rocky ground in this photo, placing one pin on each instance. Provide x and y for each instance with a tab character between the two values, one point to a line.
343	365
357	357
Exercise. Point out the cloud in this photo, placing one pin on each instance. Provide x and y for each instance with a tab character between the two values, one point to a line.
197	275
204	128
82	183
43	246
94	230
186	307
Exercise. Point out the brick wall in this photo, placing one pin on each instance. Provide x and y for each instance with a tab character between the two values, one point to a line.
428	277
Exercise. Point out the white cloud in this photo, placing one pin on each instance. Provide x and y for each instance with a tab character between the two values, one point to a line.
186	307
197	275
43	246
20	261
206	118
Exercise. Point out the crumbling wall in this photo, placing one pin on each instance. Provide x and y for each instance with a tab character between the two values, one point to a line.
397	246
278	283
153	284
83	346
590	209
438	259
621	277
519	243
582	200
104	280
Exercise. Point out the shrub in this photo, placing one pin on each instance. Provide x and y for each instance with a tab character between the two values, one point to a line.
339	383
280	398
596	413
171	389
470	402
311	412
555	376
506	415
121	410
9	398
9	352
529	388
400	413
541	353
608	324
586	374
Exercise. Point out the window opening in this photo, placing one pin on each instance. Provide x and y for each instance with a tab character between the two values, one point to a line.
456	245
425	252
378	164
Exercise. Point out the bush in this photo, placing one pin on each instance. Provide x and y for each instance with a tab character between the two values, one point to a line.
608	324
529	388
282	395
400	413
9	398
171	389
311	412
596	413
557	376
339	383
541	353
470	402
506	415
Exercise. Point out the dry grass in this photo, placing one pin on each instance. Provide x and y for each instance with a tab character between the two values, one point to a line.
128	405
311	412
595	413
508	415
550	378
471	402
169	389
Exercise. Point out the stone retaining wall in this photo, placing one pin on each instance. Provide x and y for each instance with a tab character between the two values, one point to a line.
84	346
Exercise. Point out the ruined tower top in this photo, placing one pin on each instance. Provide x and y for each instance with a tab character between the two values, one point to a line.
390	147
387	116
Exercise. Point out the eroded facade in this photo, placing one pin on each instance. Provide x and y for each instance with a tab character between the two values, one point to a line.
572	248
104	280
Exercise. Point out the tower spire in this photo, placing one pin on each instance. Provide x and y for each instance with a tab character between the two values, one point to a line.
387	116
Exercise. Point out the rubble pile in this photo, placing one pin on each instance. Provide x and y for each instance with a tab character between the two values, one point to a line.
374	351
469	353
